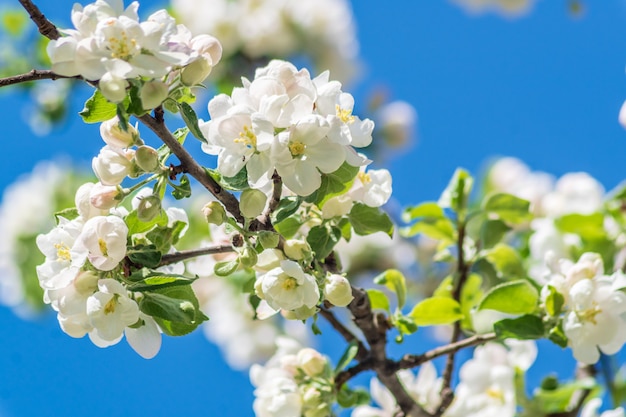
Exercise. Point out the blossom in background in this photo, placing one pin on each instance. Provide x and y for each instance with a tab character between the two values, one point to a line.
590	409
323	30
486	382
512	8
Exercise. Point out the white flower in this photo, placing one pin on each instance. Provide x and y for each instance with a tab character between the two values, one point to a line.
104	197
110	311
288	287
58	246
114	136
112	165
71	303
373	188
146	339
486	387
104	239
337	290
276	395
576	192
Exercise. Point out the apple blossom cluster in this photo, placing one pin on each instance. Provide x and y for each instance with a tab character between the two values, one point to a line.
111	46
590	304
284	121
321	29
295	382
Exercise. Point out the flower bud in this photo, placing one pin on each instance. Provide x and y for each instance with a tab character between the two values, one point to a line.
149	207
86	282
208	47
112	165
105	197
147	158
114	136
152	94
113	88
297	249
252	202
337	206
248	257
300	313
337	290
268	240
214	213
196	72
311	361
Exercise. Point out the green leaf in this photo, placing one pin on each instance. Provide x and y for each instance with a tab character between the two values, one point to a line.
429	210
445	288
98	109
404	324
587	226
175	309
435	311
366	220
182	190
555	401
471	294
349	354
14	21
378	300
225	268
145	255
68	214
524	328
508	208
557	336
135	105
191	120
395	281
333	184
157	281
237	183
286	207
346	229
439	229
554	302
516	297
506	261
492	232
289	227
323	239
137	226
456	194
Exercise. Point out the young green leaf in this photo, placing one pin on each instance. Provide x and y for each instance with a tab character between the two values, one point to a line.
508	208
456	194
378	300
436	311
395	281
144	255
323	239
191	120
523	328
366	220
516	297
225	268
349	354
506	261
98	109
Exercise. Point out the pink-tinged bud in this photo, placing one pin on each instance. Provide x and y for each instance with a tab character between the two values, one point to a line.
114	136
214	213
105	197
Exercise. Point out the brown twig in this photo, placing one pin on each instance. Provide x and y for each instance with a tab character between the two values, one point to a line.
362	353
347	374
46	27
174	257
411	361
157	125
276	194
32	75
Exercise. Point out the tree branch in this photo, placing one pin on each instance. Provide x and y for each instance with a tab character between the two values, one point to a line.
346	375
46	27
411	361
174	257
157	125
32	75
374	328
362	353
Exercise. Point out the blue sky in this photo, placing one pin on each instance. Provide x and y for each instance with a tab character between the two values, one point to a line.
546	88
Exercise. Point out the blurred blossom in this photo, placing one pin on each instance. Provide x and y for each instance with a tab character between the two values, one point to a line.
322	30
396	121
511	8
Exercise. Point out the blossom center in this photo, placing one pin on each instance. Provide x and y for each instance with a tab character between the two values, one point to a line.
109	307
63	252
296	148
589	315
122	47
103	247
289	283
247	137
365	178
496	394
344	114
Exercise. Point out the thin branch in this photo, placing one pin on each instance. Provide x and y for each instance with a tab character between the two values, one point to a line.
447	394
46	27
174	257
191	166
347	374
276	194
411	361
32	75
374	328
362	353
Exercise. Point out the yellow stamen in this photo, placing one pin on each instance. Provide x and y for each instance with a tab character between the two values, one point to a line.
365	178
110	306
247	137
63	252
103	247
589	314
296	148
496	394
344	114
289	283
122	47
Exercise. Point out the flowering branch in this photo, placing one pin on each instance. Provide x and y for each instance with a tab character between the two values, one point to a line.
157	125
362	353
46	28
411	361
32	75
174	257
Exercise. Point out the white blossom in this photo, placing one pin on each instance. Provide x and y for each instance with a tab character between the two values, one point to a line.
337	290
112	165
104	240
590	409
288	287
110	311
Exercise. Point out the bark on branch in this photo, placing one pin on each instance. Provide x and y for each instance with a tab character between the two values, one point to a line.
46	27
174	257
32	75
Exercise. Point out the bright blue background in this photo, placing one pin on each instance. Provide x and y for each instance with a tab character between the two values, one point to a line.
546	88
